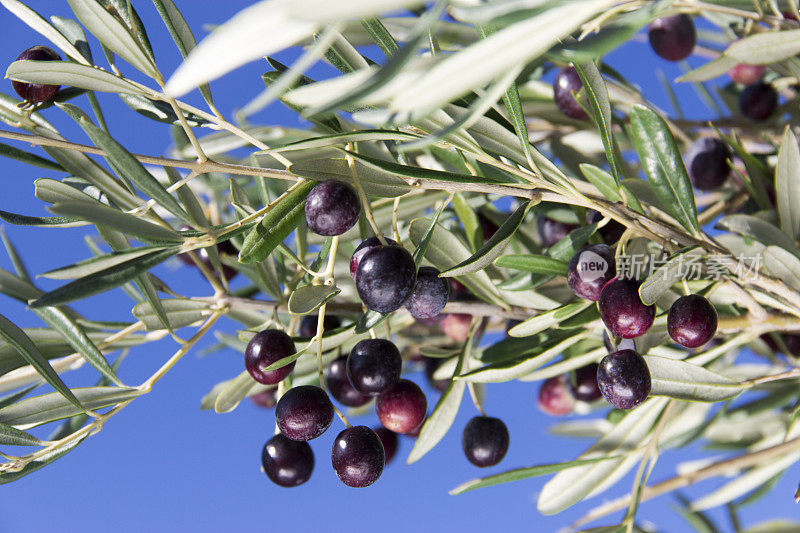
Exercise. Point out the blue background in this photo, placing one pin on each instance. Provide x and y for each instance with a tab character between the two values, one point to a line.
163	464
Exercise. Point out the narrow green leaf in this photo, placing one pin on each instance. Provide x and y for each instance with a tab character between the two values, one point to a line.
105	279
73	31
188	199
100	214
28	350
684	381
180	312
72	74
746	482
49	407
378	32
369	320
159	111
29	158
663	165
538	264
422	245
234	393
601	179
40	462
523	473
514	45
570	486
98	263
126	163
182	35
514	106
782	265
492	249
518	367
548	320
16	260
765	48
564	249
74	334
759	229
671	272
11	436
16	287
787	185
375	182
774	526
599	103
338	139
445	251
709	71
148	290
469	219
276	225
53	222
309	298
110	31
12	398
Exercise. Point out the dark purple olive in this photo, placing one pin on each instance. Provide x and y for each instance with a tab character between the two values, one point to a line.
35	92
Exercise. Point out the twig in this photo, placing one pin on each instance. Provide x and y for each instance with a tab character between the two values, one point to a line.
720	468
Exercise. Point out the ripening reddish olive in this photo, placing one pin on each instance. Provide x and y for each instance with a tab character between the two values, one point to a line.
746	74
35	92
456	326
692	321
673	38
402	408
622	309
265	399
554	397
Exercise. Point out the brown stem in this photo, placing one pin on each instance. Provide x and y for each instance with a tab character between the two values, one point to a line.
727	466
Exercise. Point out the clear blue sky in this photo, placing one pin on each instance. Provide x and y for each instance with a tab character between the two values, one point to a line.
163	465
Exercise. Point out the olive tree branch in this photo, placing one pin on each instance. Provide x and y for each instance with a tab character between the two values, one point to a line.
728	466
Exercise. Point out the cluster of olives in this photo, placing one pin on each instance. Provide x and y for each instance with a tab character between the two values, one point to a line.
622	376
386	278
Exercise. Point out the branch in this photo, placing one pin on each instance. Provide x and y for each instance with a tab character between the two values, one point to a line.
717	469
